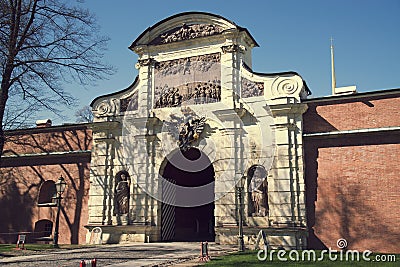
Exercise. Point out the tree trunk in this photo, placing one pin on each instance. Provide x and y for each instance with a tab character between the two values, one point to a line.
5	86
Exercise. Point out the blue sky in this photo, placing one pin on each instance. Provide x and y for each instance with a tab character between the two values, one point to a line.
293	36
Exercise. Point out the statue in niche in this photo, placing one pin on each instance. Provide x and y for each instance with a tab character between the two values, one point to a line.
258	189
122	193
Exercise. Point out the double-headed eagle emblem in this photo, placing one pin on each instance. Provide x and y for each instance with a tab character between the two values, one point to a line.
190	131
187	129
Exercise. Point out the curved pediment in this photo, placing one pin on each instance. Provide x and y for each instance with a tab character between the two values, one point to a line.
186	26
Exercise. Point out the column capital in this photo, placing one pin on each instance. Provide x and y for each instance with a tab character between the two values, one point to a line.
232	48
144	62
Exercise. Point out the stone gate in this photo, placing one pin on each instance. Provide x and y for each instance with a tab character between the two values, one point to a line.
197	126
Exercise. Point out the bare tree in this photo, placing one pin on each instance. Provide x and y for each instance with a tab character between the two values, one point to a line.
85	114
19	114
43	44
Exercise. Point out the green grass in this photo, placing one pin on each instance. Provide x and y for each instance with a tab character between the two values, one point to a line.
11	247
37	247
249	258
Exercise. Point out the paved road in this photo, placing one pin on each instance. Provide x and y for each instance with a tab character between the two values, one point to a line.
149	254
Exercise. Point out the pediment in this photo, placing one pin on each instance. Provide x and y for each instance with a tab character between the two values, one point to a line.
186	26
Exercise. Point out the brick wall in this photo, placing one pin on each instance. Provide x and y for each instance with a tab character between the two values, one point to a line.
352	113
33	156
352	179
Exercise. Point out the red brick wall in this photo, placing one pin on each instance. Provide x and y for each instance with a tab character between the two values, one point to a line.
352	180
361	113
51	139
22	176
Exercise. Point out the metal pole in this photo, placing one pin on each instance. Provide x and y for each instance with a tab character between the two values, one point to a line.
55	240
240	237
333	69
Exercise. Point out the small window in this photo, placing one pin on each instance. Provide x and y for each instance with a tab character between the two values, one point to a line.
46	193
43	228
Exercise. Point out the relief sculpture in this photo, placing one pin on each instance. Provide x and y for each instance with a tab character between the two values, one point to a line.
250	88
196	79
129	104
184	66
186	32
190	131
195	93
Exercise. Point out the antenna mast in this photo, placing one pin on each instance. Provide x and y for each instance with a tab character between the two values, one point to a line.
333	69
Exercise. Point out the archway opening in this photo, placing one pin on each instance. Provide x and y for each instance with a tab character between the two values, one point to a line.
188	214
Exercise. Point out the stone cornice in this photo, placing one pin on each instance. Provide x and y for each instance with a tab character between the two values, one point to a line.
100	126
286	109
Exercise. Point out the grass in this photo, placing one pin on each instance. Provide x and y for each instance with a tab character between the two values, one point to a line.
4	248
11	247
249	258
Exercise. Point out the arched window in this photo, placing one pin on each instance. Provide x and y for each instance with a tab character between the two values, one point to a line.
43	228
46	193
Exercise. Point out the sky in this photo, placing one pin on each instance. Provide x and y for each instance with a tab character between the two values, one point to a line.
294	35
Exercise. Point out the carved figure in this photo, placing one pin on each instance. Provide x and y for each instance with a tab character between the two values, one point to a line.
185	66
129	104
250	88
186	32
122	193
258	190
200	92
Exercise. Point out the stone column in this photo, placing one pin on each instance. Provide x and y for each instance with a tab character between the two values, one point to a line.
286	182
145	97
141	162
231	59
101	193
229	170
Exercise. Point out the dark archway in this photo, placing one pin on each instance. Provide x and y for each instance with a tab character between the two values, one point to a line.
182	222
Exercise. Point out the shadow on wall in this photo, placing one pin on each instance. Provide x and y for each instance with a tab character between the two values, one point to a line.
22	176
313	122
16	210
344	205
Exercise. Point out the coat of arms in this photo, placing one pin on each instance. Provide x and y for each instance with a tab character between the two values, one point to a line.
187	129
190	131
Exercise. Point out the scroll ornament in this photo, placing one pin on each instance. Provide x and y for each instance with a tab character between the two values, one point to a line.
106	107
286	85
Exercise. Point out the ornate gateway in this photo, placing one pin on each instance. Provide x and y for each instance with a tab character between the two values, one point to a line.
197	127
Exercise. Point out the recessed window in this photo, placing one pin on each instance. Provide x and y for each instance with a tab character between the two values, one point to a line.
46	193
43	228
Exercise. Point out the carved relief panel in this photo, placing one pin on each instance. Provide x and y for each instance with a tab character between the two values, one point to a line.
186	32
195	79
130	103
250	88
